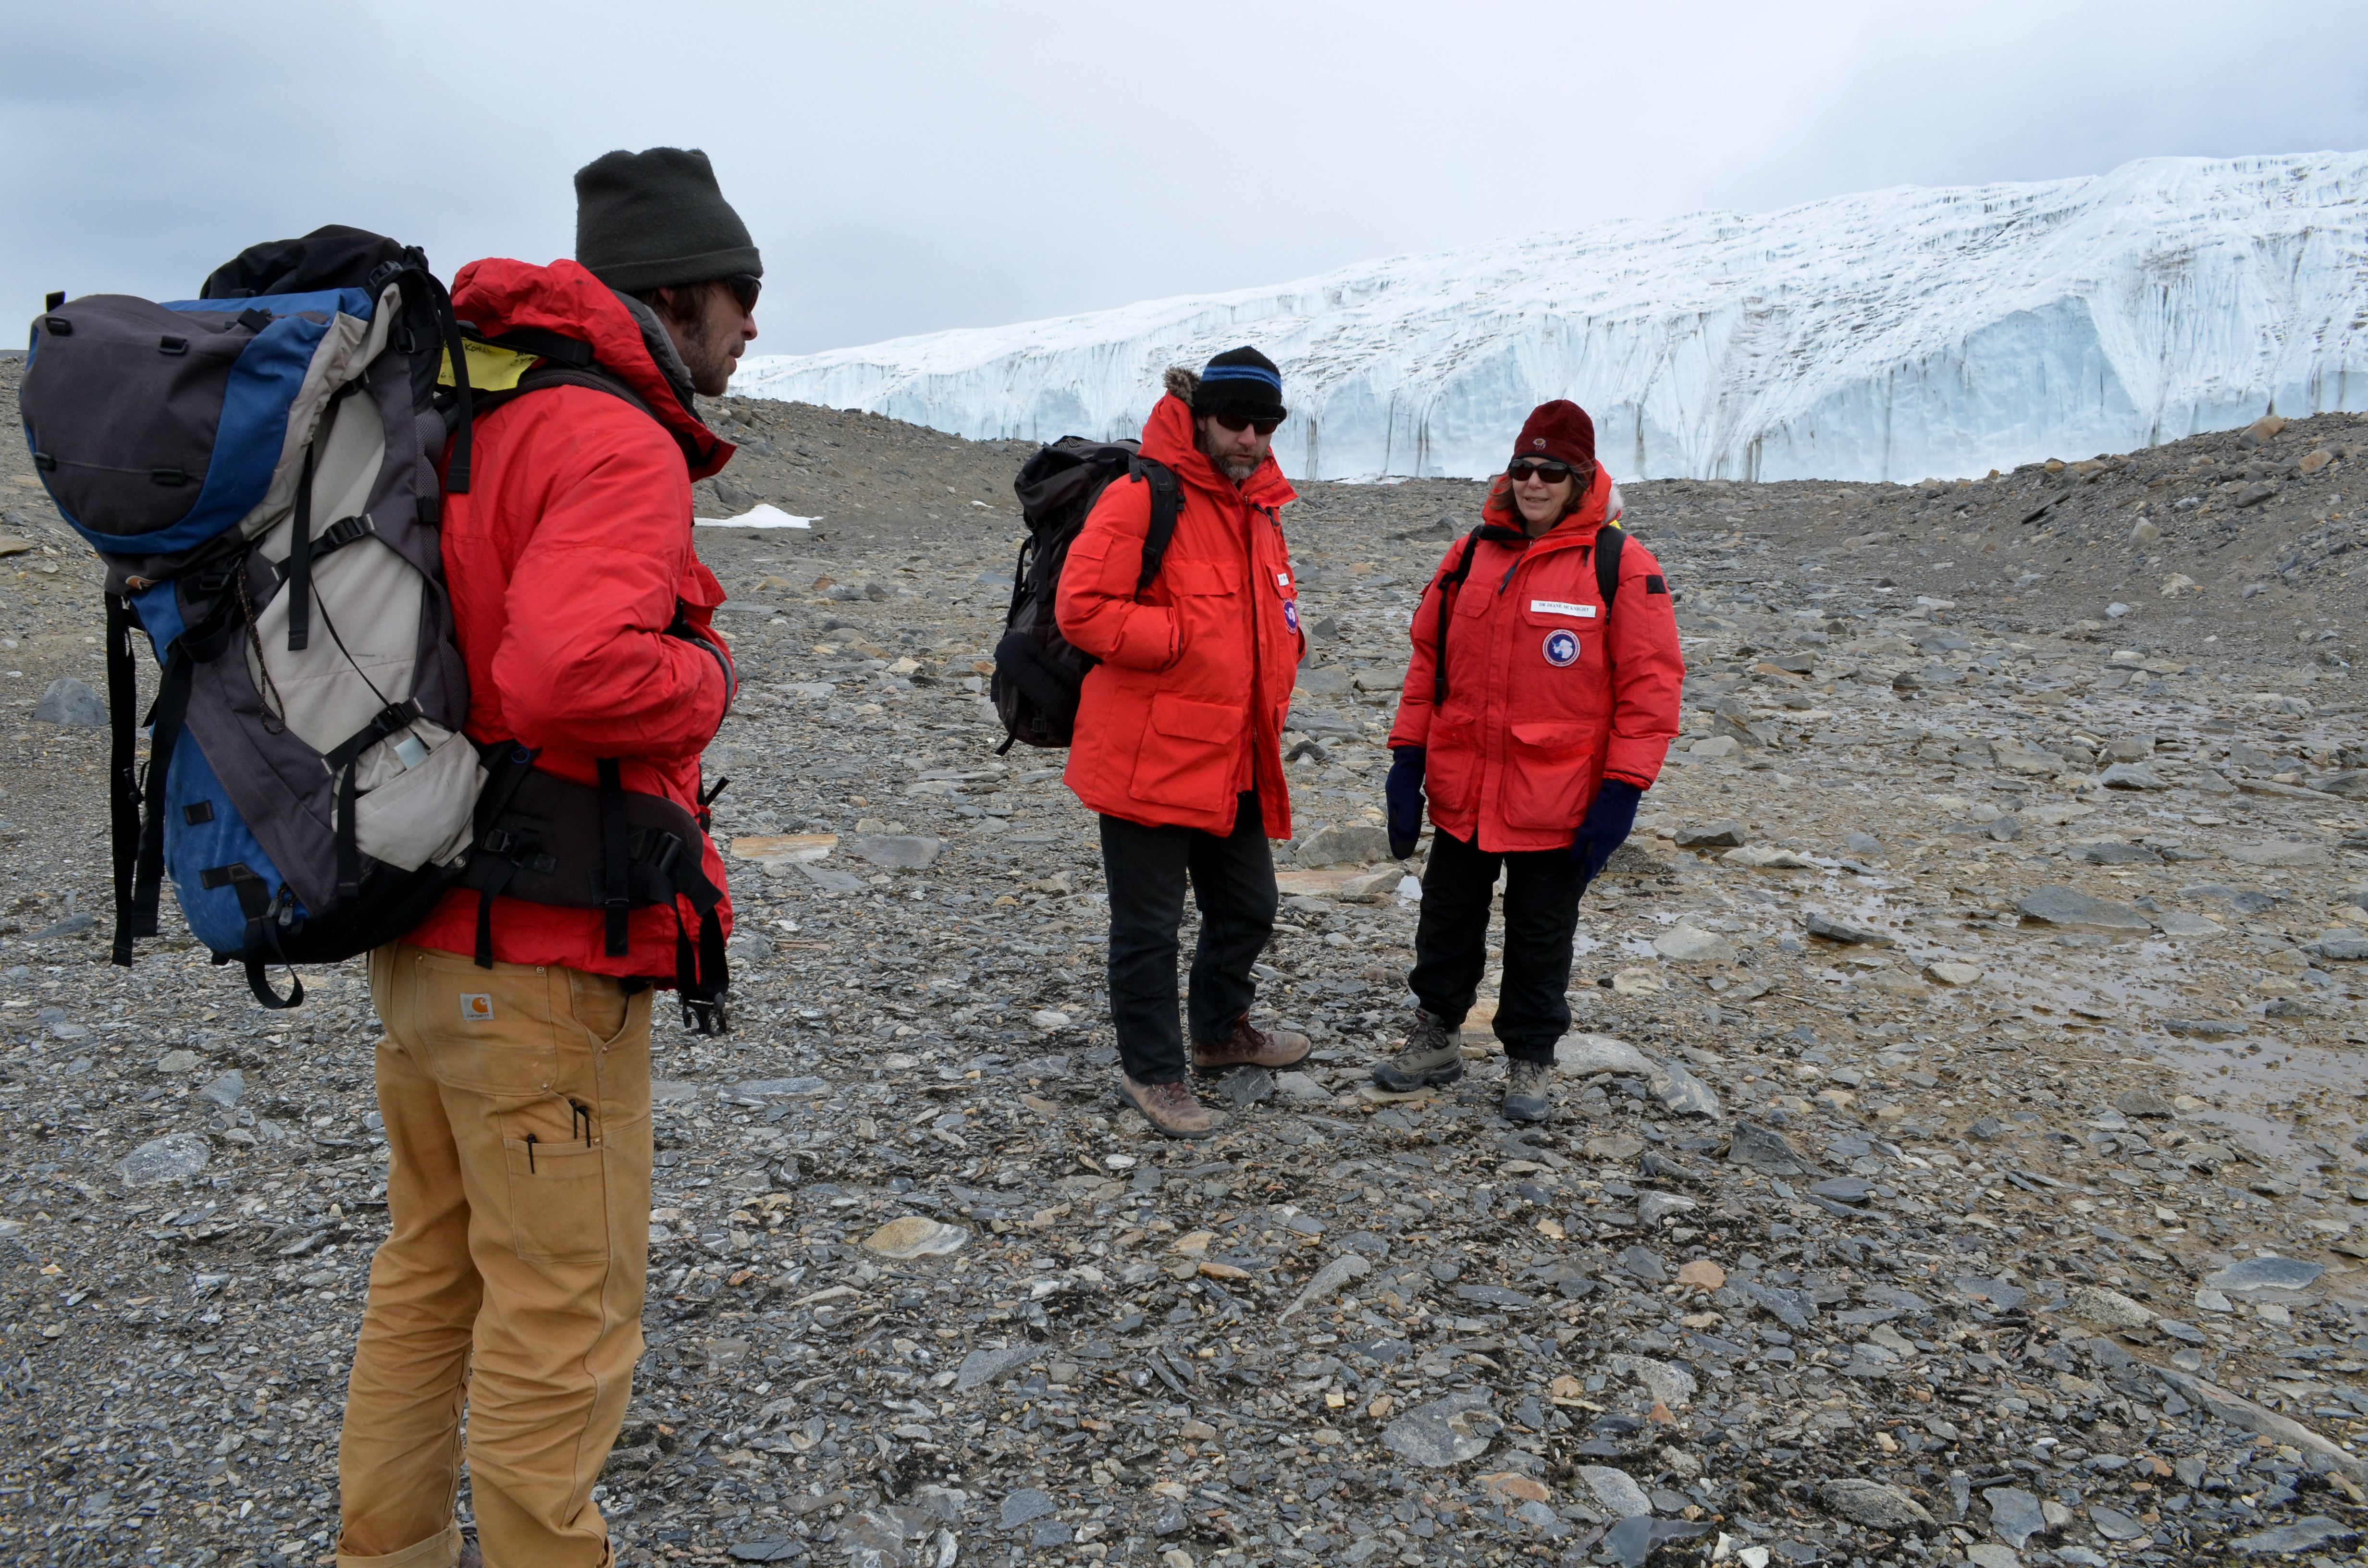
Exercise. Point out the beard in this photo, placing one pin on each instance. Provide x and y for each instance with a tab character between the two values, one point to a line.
1238	469
706	354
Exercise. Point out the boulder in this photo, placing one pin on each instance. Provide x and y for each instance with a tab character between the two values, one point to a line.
1686	944
2069	909
72	703
1355	844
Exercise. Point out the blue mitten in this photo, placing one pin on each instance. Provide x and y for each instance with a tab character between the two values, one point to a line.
1404	793
1605	827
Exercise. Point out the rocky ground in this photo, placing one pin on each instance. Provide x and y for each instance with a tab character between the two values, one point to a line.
1955	1158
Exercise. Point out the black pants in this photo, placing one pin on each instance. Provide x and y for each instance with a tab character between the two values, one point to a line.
1451	940
1233	885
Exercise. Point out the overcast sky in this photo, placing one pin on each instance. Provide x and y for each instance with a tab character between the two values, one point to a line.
908	167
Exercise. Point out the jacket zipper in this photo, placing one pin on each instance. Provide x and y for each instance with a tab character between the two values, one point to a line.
1258	660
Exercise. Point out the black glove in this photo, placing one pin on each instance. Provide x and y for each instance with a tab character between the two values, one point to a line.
1606	825
1404	793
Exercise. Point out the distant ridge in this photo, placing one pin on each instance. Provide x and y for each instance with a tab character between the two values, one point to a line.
1888	336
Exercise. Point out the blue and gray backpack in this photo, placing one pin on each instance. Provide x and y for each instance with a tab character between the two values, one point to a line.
257	467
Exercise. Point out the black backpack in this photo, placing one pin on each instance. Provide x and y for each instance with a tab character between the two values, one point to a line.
1038	675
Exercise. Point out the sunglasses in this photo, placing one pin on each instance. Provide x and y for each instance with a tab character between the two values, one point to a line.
1519	472
744	287
1238	423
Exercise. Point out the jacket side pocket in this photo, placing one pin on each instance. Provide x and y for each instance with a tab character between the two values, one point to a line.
1547	769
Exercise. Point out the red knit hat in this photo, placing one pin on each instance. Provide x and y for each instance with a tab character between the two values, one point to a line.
1559	430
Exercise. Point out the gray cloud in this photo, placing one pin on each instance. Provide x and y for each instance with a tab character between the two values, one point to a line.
908	167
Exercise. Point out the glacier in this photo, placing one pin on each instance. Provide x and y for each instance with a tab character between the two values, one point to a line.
1889	336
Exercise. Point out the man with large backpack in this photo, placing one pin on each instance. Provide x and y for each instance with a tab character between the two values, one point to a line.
515	1075
1178	728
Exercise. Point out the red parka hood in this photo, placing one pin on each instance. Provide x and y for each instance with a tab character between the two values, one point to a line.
1602	504
1168	438
498	295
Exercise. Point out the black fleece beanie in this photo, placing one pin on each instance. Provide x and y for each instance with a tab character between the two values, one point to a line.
1242	382
657	220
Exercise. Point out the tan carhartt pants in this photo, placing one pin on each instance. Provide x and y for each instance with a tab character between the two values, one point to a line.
517	1102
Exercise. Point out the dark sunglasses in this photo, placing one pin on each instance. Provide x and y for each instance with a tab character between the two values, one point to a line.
1552	472
744	287
1237	422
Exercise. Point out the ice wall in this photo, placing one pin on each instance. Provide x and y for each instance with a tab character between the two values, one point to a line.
1894	335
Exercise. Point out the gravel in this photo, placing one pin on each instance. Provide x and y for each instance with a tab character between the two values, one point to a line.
1812	1255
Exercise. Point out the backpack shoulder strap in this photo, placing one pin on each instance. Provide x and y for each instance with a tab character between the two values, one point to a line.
1453	579
1608	541
555	373
1609	538
1165	504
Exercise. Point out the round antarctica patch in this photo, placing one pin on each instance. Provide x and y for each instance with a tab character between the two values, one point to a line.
1291	613
1561	648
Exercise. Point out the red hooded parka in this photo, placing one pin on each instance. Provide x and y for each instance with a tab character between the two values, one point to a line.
566	560
1186	709
1545	697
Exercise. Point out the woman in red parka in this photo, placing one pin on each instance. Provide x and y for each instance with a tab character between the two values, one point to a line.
1535	716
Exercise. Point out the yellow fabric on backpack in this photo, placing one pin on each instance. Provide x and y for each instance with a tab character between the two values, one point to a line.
491	368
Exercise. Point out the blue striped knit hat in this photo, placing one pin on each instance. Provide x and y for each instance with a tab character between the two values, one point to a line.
1242	382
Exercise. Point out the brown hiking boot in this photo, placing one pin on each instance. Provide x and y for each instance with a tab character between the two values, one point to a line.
1173	1110
1250	1048
1529	1096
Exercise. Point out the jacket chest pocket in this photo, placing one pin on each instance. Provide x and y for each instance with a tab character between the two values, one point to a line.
1549	770
1286	587
1558	656
1196	579
1204	598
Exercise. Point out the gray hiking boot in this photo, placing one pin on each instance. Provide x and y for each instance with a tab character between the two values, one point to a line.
1173	1110
1529	1096
1433	1055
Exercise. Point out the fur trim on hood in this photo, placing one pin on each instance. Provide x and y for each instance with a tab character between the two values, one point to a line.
1182	382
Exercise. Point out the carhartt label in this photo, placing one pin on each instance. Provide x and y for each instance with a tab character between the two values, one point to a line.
1555	606
476	1007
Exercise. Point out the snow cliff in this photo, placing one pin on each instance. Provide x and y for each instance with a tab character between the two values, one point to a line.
1894	335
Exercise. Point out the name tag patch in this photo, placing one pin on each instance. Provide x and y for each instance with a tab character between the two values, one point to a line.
1561	648
1555	606
1282	579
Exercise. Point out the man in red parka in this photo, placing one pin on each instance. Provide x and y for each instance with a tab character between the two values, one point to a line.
1178	729
516	1097
1535	715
